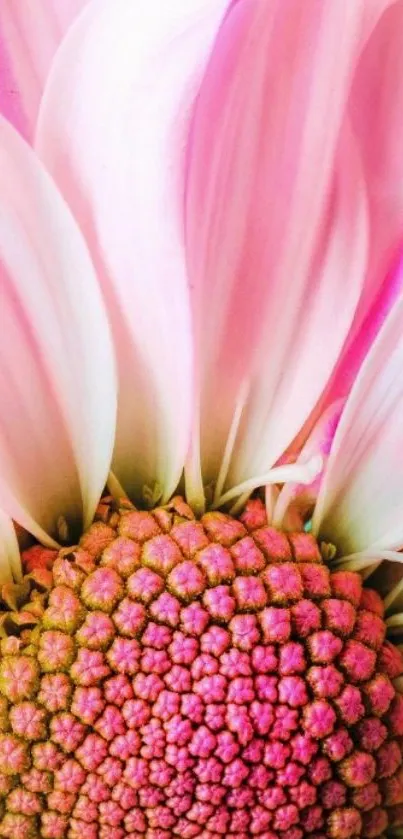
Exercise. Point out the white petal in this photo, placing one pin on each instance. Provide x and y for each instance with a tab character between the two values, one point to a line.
361	500
10	563
57	383
116	149
295	500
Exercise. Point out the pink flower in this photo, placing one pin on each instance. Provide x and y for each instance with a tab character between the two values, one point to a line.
197	253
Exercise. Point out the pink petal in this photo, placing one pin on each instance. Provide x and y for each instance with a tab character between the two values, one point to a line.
361	499
376	107
276	215
30	33
57	386
378	90
116	151
361	339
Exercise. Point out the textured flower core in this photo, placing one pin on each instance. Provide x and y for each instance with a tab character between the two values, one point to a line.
179	678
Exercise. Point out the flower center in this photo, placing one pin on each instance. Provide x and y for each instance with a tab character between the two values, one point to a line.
173	677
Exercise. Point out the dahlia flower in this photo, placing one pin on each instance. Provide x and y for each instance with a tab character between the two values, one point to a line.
201	415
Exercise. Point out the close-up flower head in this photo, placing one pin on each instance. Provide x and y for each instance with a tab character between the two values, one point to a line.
201	419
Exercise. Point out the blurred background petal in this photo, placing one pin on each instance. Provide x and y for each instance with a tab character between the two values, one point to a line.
30	32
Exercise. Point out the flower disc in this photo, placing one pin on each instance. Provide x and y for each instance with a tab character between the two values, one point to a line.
185	678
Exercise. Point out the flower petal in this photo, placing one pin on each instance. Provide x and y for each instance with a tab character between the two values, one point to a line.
377	89
29	36
296	500
116	150
276	214
10	563
361	499
363	336
57	385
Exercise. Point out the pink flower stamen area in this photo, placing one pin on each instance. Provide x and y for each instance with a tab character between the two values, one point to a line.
205	679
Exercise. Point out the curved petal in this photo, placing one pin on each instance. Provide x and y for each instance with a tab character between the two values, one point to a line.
276	214
116	151
57	385
373	12
10	561
361	499
30	33
358	345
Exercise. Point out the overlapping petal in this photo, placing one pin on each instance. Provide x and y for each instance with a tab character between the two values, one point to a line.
116	149
57	383
361	500
276	228
30	33
295	501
